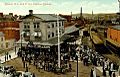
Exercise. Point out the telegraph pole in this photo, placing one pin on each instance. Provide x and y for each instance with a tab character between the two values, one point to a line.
58	42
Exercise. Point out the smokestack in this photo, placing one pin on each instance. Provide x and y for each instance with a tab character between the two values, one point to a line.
81	12
30	12
92	14
71	14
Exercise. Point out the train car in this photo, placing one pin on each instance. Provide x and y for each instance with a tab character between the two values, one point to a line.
98	43
96	40
113	39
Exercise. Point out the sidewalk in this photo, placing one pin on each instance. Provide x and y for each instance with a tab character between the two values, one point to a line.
107	72
12	53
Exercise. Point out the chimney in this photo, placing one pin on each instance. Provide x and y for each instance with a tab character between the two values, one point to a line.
30	12
1	14
11	14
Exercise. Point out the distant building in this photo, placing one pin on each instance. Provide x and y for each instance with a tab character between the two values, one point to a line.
10	28
67	17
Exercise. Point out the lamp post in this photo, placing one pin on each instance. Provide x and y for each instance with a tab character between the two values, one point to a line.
76	57
15	46
21	35
77	64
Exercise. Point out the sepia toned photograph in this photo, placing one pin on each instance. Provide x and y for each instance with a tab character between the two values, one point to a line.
59	38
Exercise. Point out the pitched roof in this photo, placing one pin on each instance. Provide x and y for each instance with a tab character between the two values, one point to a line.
71	29
46	17
117	27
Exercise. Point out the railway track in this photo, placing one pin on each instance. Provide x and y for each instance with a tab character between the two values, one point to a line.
107	53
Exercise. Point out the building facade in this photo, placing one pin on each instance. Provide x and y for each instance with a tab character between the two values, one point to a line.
10	28
40	27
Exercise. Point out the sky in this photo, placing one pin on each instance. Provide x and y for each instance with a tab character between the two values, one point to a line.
22	7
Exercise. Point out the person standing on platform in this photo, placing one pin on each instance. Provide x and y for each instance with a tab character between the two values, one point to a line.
111	69
94	72
23	64
5	57
104	72
33	75
91	72
26	67
119	71
9	56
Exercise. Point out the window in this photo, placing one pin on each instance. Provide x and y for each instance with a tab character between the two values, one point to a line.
110	36
52	34
34	25
48	35
24	26
7	45
28	26
37	25
56	32
2	39
48	26
59	24
62	23
52	25
59	32
56	24
62	30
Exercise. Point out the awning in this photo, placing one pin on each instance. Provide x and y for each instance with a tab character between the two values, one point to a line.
28	33
37	34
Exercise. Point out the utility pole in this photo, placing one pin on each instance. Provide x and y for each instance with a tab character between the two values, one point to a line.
58	42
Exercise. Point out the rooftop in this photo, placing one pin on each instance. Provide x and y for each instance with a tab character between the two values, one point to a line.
117	27
71	29
46	17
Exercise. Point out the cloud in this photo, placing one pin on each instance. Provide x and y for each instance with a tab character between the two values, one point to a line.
63	7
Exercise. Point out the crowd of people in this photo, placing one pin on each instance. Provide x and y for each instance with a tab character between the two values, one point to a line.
48	60
44	59
90	57
7	56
